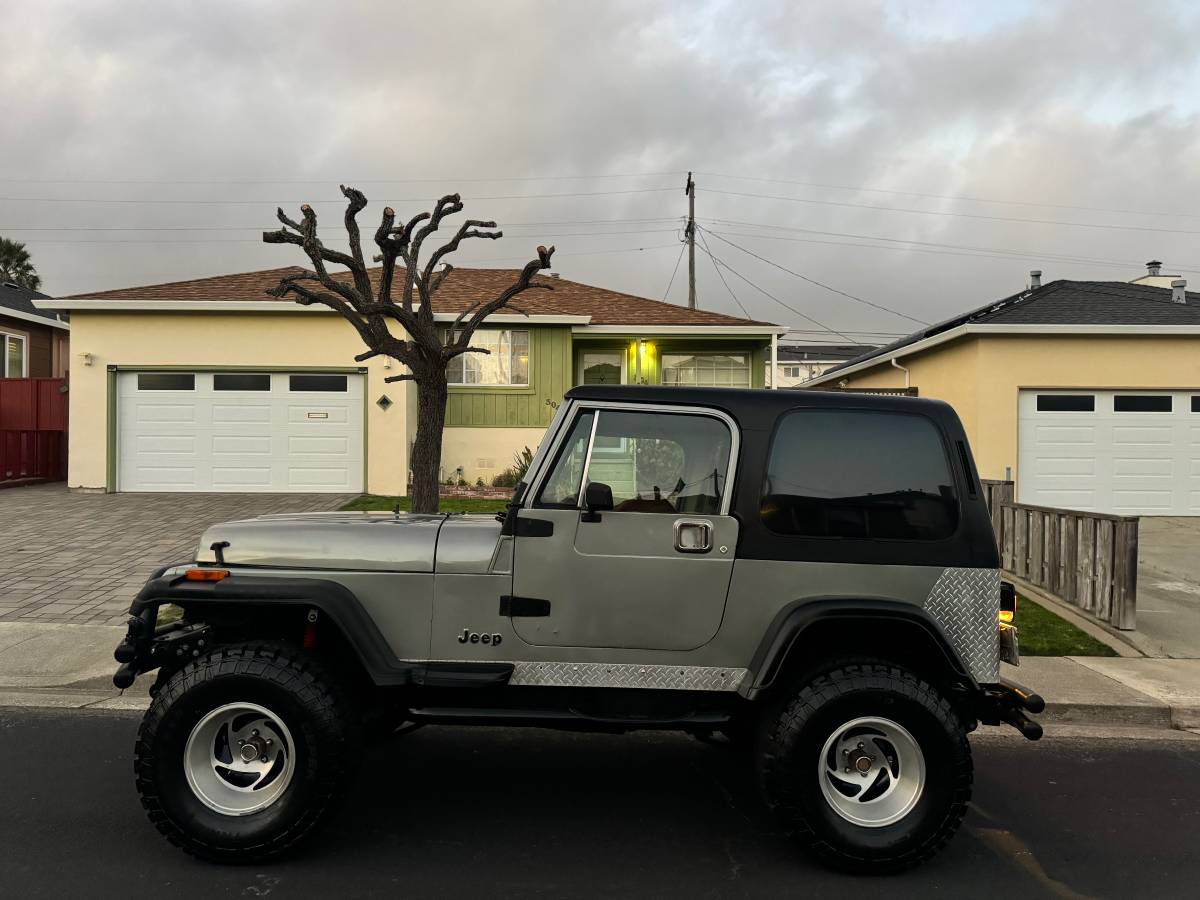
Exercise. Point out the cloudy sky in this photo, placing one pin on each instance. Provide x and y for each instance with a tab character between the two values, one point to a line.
919	156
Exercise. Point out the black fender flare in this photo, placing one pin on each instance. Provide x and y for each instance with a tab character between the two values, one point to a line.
796	617
329	598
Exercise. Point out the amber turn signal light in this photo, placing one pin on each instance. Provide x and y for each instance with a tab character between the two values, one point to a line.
1008	602
206	574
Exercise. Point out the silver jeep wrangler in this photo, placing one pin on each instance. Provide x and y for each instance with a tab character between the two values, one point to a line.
812	576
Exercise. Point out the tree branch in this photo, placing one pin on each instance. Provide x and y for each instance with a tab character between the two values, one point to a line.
522	284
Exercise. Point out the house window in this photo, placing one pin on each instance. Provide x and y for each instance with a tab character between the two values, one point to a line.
706	369
793	372
241	382
13	348
327	384
1142	403
1066	403
505	363
166	381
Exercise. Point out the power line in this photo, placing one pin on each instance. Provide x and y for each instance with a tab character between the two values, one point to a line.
678	259
554	235
1025	254
818	283
203	181
260	226
767	293
208	202
721	275
961	215
843	187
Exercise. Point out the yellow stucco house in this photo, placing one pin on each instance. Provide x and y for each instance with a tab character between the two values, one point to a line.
1086	393
212	385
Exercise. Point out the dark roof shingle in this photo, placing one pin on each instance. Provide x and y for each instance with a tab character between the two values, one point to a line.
20	299
1065	303
461	289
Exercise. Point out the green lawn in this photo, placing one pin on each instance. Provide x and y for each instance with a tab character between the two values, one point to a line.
374	502
1042	633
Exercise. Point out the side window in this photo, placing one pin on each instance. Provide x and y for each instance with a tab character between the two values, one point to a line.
561	489
658	462
859	474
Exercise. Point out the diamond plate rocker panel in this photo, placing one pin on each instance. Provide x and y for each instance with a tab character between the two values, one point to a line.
618	675
966	603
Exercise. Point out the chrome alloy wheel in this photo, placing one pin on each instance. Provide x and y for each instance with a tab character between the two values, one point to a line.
239	759
872	772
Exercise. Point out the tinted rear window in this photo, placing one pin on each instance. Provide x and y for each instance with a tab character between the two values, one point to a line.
859	474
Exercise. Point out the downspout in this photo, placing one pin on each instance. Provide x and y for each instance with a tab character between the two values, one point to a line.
774	361
904	370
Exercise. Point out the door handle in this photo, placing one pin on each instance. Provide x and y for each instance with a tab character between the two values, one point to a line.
693	536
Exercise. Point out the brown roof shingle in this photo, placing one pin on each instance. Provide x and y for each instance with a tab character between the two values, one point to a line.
461	288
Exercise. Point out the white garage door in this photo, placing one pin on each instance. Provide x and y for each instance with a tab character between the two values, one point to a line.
239	432
1123	452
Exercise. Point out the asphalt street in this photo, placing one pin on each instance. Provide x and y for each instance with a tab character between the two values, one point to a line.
457	812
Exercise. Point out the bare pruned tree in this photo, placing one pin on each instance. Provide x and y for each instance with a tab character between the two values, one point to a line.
401	294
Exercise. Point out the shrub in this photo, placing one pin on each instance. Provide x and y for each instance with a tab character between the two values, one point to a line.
516	472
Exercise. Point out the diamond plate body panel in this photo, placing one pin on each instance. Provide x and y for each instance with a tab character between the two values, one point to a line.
624	675
966	603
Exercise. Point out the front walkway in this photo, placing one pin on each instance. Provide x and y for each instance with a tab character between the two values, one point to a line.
81	558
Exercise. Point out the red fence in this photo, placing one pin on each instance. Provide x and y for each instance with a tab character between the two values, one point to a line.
33	429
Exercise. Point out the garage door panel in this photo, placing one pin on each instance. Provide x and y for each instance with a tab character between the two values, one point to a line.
234	441
162	412
241	444
229	414
234	478
1142	466
1141	434
312	477
165	443
1108	456
1065	465
318	444
315	416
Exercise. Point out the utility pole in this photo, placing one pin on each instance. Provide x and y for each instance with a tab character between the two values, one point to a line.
690	231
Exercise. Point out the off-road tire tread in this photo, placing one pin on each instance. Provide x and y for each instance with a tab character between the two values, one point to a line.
782	731
289	668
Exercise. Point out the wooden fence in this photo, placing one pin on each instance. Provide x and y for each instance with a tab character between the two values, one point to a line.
1086	559
33	429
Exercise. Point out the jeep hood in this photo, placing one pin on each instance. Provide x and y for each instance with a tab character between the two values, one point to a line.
360	541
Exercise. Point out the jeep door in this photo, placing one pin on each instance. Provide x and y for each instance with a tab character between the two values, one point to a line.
648	569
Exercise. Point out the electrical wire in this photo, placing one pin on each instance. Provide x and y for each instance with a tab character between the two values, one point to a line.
786	306
334	180
819	284
721	274
265	200
862	189
259	227
678	259
961	215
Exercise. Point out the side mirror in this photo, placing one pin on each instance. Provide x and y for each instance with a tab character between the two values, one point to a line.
597	497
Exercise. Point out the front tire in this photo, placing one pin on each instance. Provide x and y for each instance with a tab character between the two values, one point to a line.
868	766
244	752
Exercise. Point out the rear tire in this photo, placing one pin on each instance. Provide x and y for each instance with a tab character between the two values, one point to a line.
868	766
279	707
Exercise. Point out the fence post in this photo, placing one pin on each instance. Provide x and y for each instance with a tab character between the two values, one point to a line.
1125	560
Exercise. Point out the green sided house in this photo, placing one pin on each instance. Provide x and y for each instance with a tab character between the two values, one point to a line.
212	385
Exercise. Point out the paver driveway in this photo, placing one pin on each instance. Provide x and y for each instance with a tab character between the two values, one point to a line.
71	557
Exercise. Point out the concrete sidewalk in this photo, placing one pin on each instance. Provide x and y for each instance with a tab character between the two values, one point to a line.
71	666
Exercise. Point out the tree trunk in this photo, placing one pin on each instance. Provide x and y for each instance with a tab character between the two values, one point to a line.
427	448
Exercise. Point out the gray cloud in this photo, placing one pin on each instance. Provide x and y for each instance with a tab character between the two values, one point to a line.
1078	104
